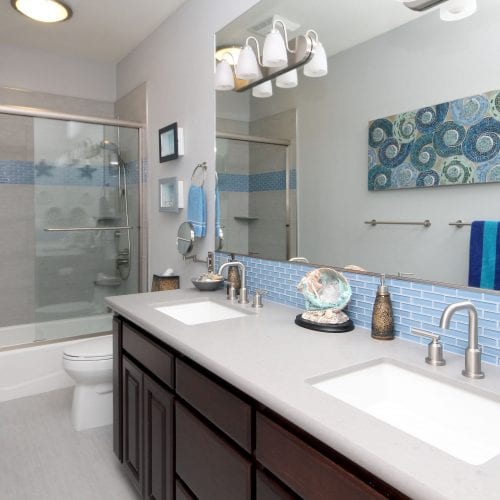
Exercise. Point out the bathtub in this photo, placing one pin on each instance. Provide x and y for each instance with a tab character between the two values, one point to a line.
31	364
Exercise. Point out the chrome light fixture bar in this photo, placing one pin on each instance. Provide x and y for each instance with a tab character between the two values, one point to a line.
247	69
297	57
449	10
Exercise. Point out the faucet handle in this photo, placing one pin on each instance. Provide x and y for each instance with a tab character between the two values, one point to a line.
257	298
434	348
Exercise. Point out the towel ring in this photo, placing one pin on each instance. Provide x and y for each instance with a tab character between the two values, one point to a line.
203	166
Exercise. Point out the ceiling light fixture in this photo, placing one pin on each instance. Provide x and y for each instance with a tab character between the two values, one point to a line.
251	71
449	10
455	10
44	11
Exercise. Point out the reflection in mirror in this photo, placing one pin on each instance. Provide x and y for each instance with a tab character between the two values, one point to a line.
384	59
185	238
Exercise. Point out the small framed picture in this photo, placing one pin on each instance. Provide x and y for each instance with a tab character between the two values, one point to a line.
171	194
168	141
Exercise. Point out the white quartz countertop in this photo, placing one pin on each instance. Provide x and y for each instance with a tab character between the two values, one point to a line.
267	356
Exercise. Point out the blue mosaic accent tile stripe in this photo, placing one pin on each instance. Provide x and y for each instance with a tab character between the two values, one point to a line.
23	172
266	181
236	183
16	172
415	305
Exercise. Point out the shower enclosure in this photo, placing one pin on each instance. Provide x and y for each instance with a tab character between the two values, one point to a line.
257	199
70	197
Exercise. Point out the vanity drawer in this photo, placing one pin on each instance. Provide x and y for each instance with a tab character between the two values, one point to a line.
206	463
305	470
157	360
225	410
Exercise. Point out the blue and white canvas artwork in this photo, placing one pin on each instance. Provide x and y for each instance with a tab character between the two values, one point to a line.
453	143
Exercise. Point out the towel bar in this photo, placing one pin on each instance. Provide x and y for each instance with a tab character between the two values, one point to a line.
374	222
459	223
67	229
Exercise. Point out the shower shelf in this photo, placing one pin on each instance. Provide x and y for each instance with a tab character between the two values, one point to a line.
245	218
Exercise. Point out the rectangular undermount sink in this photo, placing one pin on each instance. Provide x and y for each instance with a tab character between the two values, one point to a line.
460	422
196	313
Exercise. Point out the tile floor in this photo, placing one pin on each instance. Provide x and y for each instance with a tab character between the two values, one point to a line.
43	458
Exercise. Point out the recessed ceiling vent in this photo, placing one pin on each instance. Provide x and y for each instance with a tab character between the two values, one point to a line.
264	27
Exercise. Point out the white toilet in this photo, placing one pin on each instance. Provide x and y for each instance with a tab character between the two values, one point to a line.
90	365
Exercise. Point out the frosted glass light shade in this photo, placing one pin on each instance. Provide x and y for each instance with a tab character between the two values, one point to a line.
318	65
224	79
263	90
274	53
45	11
454	10
287	80
247	67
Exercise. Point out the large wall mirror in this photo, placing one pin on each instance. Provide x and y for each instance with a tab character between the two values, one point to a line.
293	167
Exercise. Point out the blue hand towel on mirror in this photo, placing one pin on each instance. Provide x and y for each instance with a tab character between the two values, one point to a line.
217	211
484	255
197	210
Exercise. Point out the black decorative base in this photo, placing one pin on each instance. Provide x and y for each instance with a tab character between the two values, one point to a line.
347	326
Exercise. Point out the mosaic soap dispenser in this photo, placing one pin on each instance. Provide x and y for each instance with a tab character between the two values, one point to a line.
382	317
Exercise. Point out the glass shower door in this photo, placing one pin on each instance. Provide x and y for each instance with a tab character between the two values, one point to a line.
86	196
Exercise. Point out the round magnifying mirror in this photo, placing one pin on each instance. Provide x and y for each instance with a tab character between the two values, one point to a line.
185	238
219	238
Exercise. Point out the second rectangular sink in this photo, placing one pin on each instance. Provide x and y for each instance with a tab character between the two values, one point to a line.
196	313
463	423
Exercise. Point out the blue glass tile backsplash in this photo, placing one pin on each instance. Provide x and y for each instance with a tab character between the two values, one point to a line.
415	305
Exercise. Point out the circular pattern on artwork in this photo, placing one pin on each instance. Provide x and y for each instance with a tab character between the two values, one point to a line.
469	111
372	157
482	142
392	153
429	178
404	176
379	131
488	171
457	170
448	139
379	178
423	155
427	119
495	105
404	127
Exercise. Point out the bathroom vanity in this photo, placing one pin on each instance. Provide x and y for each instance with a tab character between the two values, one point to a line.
229	409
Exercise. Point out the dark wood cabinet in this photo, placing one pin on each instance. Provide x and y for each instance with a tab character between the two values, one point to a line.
207	463
132	382
158	411
182	432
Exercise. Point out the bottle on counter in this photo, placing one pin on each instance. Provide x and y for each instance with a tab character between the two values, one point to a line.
233	276
382	317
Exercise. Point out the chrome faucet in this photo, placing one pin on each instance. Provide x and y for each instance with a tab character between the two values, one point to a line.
473	352
243	299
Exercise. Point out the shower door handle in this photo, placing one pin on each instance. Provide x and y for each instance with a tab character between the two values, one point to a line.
67	229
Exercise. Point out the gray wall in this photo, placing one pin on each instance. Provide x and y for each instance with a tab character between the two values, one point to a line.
422	63
177	63
42	71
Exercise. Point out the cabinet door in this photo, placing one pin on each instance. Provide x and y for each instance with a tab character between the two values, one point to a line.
132	382
158	442
117	388
207	463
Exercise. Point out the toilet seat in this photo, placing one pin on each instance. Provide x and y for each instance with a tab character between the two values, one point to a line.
90	350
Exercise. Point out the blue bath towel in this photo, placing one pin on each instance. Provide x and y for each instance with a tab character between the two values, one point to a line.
484	255
217	211
197	210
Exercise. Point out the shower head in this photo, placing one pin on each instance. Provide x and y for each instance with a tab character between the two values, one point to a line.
109	146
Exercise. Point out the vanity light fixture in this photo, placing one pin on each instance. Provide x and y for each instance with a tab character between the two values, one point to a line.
44	11
449	10
280	60
455	10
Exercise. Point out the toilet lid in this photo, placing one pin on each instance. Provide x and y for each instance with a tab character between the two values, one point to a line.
101	348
